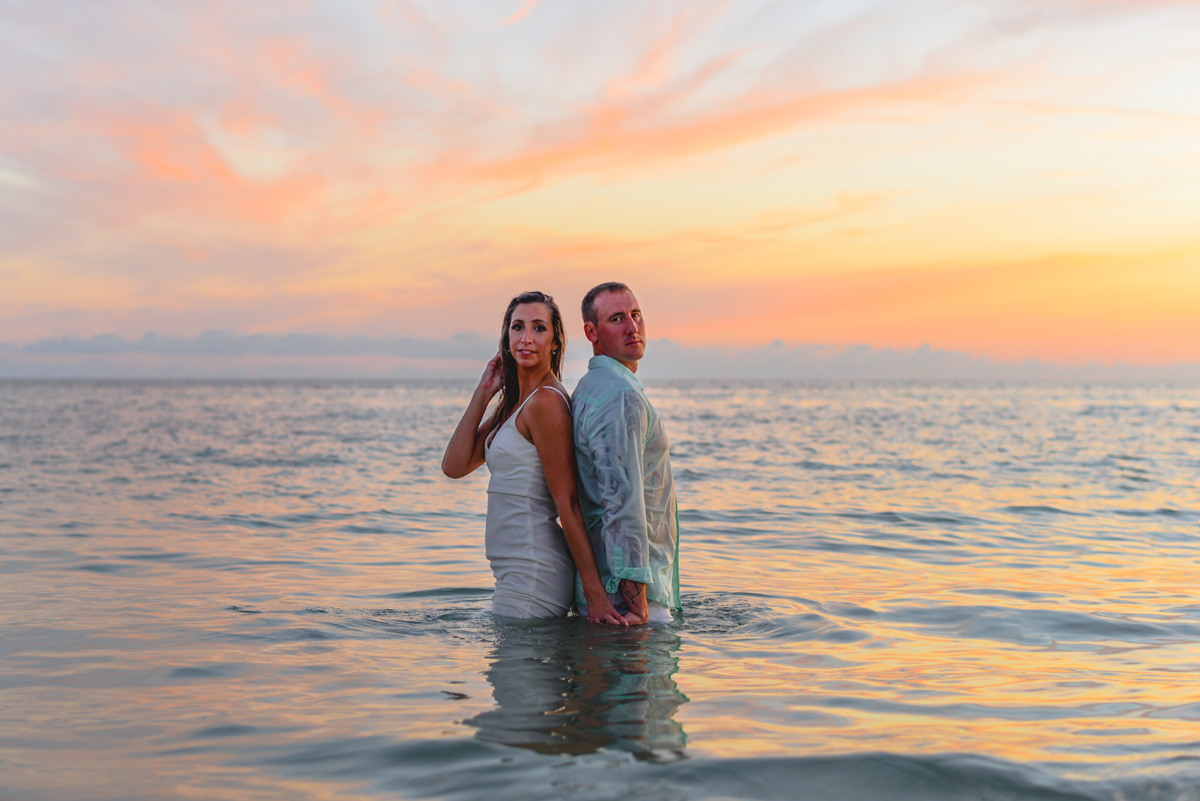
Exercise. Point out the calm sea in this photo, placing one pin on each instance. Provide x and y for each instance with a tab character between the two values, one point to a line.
891	591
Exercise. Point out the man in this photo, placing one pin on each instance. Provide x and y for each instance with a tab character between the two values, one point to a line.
625	484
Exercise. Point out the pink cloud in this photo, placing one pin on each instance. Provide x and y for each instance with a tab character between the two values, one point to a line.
521	13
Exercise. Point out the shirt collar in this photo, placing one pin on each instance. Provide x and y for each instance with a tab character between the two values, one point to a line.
609	363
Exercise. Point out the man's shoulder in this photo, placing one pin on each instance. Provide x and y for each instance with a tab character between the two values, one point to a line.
601	381
598	386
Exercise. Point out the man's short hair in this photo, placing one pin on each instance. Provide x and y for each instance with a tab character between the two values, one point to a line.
589	300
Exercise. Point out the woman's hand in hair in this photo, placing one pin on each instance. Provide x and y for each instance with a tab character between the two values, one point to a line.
493	376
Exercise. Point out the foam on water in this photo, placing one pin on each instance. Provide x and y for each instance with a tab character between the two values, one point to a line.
913	591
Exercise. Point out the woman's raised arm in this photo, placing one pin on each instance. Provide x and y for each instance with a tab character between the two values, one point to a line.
464	453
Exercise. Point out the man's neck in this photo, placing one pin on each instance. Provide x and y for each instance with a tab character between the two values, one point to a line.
630	366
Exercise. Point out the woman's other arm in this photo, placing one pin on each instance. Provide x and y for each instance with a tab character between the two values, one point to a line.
464	453
548	421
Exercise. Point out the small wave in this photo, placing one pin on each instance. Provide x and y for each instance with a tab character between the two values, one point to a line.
1173	513
243	609
1040	626
738	615
802	627
228	730
850	610
443	592
809	464
1018	594
153	557
297	634
204	672
1041	510
106	568
880	517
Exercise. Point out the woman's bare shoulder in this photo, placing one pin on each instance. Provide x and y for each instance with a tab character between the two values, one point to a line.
549	403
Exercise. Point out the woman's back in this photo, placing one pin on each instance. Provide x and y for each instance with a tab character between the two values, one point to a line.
535	576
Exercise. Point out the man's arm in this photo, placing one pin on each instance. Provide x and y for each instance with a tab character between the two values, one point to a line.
617	441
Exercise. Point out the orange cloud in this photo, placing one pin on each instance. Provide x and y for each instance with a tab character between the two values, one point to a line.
521	13
612	138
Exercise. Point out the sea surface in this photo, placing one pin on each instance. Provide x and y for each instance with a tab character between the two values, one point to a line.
268	590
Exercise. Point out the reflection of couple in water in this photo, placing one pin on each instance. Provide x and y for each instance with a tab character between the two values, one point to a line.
597	462
574	689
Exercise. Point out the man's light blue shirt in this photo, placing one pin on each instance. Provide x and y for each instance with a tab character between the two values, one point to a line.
625	484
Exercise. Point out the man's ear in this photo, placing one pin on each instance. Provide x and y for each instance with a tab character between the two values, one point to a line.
589	331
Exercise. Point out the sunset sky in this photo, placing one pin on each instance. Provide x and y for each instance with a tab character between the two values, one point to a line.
1012	179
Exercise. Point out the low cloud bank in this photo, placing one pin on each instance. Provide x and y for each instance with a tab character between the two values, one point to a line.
669	359
228	343
223	354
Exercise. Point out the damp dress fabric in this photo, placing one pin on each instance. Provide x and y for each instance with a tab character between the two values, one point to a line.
523	540
625	486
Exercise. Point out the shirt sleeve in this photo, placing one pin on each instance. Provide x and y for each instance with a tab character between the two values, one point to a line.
618	442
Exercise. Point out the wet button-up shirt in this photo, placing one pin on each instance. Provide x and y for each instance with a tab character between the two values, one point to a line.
625	484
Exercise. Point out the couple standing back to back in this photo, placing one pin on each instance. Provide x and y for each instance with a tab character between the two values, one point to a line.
598	462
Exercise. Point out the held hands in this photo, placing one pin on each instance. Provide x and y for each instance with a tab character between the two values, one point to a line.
601	611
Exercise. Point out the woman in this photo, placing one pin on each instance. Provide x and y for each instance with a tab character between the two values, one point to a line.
529	448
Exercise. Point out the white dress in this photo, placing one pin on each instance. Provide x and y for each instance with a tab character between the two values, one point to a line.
535	575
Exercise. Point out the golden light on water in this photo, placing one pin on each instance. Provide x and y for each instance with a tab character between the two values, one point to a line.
253	588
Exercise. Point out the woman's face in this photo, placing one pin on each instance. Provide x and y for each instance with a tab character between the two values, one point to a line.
531	335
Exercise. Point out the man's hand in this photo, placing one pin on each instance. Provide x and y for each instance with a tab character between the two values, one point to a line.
635	598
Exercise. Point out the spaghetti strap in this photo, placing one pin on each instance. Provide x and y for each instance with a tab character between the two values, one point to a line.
561	394
492	435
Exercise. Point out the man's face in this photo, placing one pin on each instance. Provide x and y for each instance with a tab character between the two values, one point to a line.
619	331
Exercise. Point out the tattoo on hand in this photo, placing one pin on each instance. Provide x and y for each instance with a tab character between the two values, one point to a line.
631	592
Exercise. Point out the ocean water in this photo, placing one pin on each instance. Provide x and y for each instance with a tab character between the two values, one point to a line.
250	590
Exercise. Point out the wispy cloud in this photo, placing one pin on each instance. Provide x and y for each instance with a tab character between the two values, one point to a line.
521	13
